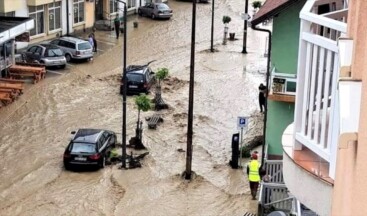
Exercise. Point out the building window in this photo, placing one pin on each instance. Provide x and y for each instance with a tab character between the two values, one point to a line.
130	3
113	6
8	14
54	16
78	11
37	13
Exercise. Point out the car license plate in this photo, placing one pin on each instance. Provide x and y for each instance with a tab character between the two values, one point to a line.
133	86
80	159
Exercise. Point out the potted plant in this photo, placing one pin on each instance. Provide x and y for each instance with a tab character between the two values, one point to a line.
136	24
256	5
226	20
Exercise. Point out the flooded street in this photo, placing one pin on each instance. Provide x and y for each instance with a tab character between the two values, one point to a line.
36	129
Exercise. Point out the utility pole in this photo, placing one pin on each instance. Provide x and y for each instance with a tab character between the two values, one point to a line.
191	96
212	32
125	91
245	29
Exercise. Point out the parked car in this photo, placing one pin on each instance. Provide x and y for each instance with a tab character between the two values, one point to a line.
155	10
89	147
47	54
74	48
140	79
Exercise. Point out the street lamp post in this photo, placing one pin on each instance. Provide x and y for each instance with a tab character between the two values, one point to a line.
191	96
124	91
245	29
212	32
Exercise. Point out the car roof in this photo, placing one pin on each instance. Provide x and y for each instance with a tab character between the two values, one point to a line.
87	135
49	46
72	39
136	69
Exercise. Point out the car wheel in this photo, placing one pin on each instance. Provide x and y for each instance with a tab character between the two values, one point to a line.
140	13
103	162
153	16
68	57
67	166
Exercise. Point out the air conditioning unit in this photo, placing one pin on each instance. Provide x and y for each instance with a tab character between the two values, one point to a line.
282	83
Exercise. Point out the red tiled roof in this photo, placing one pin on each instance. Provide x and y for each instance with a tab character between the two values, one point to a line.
269	9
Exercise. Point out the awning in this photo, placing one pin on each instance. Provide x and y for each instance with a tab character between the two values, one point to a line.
10	27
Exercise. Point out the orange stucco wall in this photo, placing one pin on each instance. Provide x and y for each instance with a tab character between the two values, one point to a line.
350	188
89	14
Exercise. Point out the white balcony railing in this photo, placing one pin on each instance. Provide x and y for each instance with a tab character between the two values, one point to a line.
318	69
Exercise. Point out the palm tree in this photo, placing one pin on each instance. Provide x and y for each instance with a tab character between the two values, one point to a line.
161	74
143	104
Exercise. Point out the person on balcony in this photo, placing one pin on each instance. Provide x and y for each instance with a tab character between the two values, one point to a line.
253	173
262	97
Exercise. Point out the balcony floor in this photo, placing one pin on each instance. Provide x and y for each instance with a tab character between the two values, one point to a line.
305	158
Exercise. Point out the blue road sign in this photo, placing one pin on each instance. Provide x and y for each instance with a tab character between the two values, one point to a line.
242	122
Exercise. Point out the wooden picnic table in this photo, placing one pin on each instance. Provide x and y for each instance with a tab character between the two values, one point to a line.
5	98
21	71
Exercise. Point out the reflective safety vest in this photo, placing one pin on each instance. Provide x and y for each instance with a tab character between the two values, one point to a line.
253	174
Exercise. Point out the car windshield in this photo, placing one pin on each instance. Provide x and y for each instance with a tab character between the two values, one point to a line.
135	77
84	46
53	52
83	148
162	7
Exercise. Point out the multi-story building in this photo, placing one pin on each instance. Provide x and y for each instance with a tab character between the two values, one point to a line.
323	162
323	151
283	58
60	17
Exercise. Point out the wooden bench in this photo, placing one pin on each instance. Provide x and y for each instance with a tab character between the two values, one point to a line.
153	121
16	87
25	71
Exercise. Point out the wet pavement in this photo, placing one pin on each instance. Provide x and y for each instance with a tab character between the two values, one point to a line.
36	128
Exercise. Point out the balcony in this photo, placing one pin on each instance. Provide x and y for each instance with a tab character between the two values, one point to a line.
310	144
39	2
317	107
283	87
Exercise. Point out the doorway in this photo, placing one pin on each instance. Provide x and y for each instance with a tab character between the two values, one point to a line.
99	10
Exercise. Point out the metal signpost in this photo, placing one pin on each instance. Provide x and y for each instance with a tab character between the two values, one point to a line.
242	123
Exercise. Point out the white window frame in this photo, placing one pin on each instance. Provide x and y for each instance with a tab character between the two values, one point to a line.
131	4
76	6
35	21
52	7
115	6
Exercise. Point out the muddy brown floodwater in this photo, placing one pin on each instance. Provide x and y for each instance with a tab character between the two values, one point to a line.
35	132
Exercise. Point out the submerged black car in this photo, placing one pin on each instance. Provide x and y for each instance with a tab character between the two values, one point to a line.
140	79
89	147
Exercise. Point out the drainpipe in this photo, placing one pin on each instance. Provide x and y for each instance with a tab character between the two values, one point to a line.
67	17
267	86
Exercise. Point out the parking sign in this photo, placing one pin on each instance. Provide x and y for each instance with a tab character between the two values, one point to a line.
242	122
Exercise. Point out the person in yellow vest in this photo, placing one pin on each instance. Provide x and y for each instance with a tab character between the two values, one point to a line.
253	173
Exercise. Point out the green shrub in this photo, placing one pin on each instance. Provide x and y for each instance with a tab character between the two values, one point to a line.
226	19
256	4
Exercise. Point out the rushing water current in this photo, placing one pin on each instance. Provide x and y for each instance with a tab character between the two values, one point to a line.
35	130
